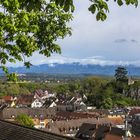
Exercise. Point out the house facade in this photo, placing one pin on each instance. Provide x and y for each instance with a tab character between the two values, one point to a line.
36	103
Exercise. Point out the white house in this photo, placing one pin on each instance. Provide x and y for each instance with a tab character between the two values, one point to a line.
53	104
36	103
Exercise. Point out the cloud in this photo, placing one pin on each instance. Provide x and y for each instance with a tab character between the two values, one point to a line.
95	60
123	40
134	41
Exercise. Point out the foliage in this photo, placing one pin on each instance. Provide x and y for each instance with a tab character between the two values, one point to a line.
25	120
121	74
31	87
16	89
107	103
30	26
100	7
92	84
104	93
100	92
121	79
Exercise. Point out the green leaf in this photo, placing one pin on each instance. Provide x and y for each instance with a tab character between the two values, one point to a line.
92	8
5	69
98	16
12	77
12	60
27	64
120	2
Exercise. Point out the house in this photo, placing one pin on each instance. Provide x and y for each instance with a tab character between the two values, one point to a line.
40	122
1	110
131	81
115	134
37	103
103	112
136	125
71	104
116	137
65	115
103	132
43	99
43	94
39	93
2	101
62	106
70	127
9	100
49	95
92	131
8	113
78	104
11	131
25	100
120	112
53	104
134	111
29	101
120	134
115	112
86	131
50	102
117	120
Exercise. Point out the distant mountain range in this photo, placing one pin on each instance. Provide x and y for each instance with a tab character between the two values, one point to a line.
74	68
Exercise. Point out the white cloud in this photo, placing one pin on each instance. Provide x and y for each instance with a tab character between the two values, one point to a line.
95	60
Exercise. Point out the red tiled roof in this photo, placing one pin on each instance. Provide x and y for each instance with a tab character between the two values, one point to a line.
73	115
63	125
116	120
25	99
134	111
39	92
112	137
8	98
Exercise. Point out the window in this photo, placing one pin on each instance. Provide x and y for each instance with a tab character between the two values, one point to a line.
37	104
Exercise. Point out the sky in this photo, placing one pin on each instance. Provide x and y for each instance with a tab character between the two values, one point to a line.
114	41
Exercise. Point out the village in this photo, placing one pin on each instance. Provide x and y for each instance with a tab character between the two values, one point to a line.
72	117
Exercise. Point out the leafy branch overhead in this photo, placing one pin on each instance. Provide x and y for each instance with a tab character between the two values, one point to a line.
100	7
27	26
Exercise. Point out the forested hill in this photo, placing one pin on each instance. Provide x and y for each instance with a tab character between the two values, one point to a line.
74	68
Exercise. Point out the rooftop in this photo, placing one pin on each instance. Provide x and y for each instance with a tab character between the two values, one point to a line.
11	131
